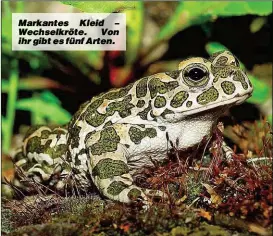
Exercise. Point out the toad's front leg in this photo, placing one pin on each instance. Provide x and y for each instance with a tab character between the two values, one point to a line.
108	165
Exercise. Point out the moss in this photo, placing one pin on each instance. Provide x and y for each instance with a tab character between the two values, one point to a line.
179	231
212	230
47	229
6	220
93	216
195	188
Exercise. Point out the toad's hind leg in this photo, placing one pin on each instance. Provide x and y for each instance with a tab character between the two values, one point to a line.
108	165
41	159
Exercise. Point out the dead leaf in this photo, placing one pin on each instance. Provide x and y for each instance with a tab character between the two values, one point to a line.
259	230
205	214
7	168
125	227
214	197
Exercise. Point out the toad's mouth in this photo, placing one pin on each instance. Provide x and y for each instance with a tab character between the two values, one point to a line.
226	103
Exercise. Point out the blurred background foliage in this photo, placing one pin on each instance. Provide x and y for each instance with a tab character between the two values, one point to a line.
42	87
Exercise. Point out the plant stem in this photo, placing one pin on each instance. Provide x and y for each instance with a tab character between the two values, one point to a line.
11	105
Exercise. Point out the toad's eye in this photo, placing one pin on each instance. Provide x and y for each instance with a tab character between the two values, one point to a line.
196	74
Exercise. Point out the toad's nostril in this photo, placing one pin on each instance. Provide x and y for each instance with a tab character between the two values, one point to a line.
237	62
232	72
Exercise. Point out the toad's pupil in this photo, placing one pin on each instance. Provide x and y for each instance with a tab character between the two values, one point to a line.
196	74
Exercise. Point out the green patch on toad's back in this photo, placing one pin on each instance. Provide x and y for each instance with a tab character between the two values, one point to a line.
108	142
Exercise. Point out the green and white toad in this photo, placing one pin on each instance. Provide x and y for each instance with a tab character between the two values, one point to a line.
124	130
